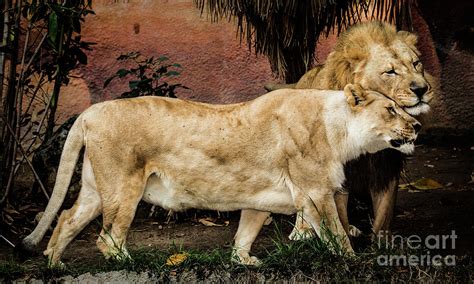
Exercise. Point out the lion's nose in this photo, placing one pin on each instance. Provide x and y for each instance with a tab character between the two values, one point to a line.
418	89
417	127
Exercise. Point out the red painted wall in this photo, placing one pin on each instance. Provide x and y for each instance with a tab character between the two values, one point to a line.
216	66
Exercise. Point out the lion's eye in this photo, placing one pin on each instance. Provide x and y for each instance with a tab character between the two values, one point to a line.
391	110
416	64
391	72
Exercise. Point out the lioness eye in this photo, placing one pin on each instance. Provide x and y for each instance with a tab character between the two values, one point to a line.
391	72
391	110
416	63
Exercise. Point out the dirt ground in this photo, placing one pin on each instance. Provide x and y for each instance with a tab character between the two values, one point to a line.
420	212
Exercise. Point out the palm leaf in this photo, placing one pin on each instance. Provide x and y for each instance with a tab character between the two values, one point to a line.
286	31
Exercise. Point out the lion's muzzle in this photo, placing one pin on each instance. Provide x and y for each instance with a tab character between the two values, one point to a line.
419	89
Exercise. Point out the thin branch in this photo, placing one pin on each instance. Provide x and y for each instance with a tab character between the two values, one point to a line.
27	161
37	133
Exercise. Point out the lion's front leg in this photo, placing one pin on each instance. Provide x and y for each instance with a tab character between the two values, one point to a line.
384	204
250	224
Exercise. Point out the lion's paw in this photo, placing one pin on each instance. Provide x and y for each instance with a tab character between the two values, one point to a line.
354	231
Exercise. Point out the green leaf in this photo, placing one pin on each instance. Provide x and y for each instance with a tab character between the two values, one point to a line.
123	72
76	25
133	84
53	28
81	56
108	80
172	73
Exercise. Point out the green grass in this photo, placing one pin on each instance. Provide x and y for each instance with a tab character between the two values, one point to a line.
310	259
9	269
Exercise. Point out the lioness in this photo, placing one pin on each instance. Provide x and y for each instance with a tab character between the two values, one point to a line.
282	152
379	58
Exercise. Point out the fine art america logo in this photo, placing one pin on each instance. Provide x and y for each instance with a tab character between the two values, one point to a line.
416	243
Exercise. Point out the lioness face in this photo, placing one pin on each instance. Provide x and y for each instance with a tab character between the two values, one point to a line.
397	72
387	124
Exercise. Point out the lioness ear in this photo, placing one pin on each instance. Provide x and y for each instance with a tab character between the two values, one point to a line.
408	38
355	95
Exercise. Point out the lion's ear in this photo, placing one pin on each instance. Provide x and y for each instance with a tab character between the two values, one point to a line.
355	57
355	95
408	38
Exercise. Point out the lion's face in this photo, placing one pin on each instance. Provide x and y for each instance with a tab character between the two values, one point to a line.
387	124
397	72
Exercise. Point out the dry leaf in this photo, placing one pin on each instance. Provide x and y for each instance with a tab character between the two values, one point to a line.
426	184
176	259
208	222
403	186
11	211
422	184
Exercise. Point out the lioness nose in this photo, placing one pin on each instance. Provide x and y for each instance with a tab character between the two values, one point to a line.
418	89
417	127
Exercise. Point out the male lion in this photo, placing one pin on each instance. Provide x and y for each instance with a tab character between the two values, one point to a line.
282	152
379	58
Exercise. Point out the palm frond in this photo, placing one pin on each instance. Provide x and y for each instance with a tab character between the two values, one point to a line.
286	31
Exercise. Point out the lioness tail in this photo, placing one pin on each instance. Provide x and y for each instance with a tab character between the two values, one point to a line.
70	155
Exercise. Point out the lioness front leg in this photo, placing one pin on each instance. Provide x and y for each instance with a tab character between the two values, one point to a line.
318	207
250	224
303	230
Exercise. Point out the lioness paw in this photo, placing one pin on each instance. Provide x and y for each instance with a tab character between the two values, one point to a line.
245	259
299	235
56	265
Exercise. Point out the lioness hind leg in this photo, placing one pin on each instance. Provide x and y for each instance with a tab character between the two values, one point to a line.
118	214
250	224
72	221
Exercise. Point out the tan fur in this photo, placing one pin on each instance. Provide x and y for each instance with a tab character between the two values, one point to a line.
282	153
363	55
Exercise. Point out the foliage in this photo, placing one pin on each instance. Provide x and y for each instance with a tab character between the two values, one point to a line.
148	74
41	45
287	31
10	269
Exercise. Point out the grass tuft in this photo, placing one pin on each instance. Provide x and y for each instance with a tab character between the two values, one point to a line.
10	269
